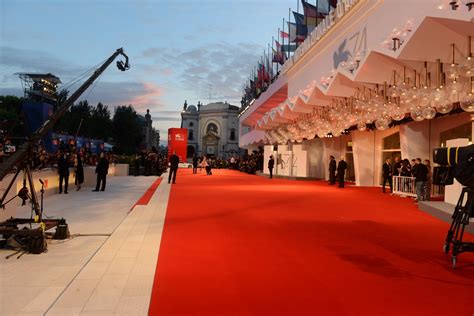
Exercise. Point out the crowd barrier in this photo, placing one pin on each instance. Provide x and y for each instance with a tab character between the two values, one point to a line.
405	186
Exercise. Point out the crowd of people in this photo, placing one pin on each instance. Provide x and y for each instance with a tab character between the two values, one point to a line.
418	170
151	161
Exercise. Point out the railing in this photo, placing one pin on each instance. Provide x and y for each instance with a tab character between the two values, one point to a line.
405	186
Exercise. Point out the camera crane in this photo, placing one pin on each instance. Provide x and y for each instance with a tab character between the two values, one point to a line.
33	239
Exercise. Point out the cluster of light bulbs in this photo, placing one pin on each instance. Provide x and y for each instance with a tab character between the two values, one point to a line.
350	65
398	36
416	95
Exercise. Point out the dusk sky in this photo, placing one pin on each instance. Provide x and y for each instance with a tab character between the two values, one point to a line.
179	50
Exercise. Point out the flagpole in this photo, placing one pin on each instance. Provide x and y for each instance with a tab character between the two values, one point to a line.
289	30
273	52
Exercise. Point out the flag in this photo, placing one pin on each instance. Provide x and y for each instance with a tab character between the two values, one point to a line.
297	32
288	48
312	14
285	48
284	34
278	56
301	29
325	5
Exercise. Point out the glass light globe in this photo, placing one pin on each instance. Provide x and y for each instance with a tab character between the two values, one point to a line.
467	103
467	68
417	115
429	113
454	89
398	114
445	108
361	126
381	124
438	95
452	71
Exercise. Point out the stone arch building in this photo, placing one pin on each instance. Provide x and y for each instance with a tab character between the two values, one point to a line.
213	129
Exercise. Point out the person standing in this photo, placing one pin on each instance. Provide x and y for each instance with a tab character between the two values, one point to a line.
271	164
195	164
174	162
397	166
101	170
63	171
427	188
420	172
136	165
78	171
341	171
332	170
387	173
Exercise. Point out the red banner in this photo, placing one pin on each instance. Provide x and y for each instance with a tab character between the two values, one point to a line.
178	141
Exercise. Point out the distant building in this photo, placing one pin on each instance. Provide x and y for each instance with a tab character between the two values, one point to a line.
213	129
150	136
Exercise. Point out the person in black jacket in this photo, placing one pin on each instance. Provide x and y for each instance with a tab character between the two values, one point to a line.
271	164
174	161
63	171
195	163
102	170
387	173
78	171
341	171
397	166
420	172
332	170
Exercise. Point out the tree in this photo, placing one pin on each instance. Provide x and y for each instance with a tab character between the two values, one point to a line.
11	120
127	129
100	125
71	121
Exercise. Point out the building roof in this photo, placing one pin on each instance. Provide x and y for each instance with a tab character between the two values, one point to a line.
219	106
191	109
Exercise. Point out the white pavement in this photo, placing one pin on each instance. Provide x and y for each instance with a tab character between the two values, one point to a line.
110	273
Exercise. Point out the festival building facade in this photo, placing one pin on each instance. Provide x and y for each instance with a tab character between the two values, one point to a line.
375	80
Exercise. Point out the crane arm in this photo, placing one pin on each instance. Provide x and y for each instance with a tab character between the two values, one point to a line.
21	154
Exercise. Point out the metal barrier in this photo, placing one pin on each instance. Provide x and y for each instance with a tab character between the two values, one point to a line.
405	186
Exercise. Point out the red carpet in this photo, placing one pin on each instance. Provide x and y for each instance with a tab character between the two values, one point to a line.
236	244
146	197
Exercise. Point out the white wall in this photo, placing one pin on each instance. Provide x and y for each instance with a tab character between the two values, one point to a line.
363	146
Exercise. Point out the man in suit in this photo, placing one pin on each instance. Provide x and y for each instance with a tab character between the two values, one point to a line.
420	172
101	170
332	170
387	173
63	171
174	161
341	171
195	163
271	164
397	166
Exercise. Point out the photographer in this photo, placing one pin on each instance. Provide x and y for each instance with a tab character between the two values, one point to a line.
420	172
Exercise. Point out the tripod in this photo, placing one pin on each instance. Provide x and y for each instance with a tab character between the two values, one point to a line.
461	216
32	239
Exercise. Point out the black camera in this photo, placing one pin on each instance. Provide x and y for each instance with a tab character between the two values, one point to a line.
455	162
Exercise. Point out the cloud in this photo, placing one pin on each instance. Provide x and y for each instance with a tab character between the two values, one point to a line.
142	95
29	60
218	68
166	119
